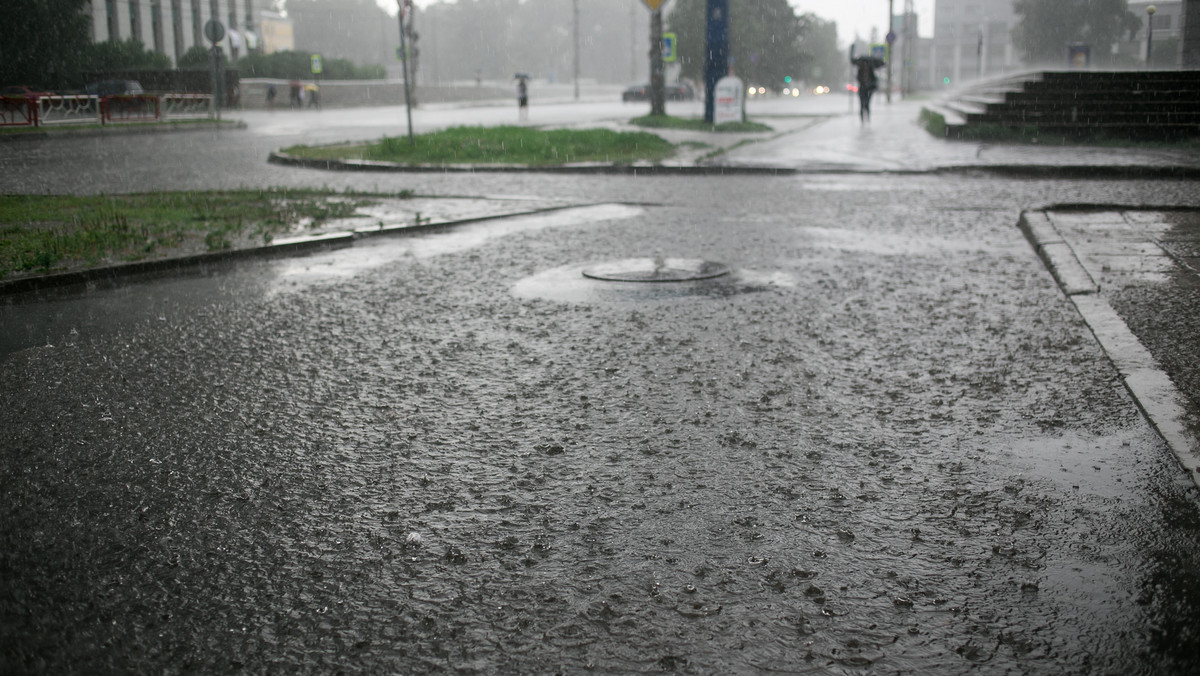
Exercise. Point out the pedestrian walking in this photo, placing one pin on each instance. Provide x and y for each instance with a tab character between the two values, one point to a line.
295	99
522	97
313	93
867	84
271	92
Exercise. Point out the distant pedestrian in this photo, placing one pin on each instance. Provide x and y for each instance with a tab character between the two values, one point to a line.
271	92
313	93
295	99
867	84
522	98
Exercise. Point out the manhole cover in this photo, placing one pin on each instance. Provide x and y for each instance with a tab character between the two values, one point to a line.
656	270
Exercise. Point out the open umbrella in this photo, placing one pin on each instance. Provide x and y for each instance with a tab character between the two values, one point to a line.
521	76
872	61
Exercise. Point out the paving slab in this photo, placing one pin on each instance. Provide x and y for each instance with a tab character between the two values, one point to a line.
1136	287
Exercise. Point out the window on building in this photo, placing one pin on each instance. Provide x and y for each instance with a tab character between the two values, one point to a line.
197	27
135	21
156	25
110	16
177	27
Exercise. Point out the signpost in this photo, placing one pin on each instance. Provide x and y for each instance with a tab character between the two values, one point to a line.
405	4
215	32
728	100
668	47
658	93
716	50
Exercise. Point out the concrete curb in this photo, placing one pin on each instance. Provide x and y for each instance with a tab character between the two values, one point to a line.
1131	172
112	272
280	247
1161	403
281	158
1057	254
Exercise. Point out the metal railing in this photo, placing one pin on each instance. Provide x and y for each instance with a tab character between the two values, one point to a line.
17	111
129	108
70	109
20	111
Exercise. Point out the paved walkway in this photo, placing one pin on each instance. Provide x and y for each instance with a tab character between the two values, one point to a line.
894	141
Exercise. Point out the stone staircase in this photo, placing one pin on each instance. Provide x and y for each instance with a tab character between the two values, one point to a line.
1136	105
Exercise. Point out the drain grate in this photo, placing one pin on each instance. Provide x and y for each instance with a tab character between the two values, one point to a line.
656	270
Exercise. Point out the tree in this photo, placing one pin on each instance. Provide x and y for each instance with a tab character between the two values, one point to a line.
765	40
43	42
288	65
117	55
822	61
1046	27
197	57
355	30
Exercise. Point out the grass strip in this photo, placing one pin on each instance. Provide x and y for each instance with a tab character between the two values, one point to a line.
935	123
44	233
697	124
502	145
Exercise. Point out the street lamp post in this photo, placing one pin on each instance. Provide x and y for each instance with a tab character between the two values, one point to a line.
1149	33
576	66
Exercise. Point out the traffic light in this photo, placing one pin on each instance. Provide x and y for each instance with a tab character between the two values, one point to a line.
946	80
787	79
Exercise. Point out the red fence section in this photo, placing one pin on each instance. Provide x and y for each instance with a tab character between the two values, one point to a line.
129	108
18	111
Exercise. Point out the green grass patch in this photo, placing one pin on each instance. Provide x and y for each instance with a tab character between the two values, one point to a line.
933	122
697	124
1032	135
502	145
43	233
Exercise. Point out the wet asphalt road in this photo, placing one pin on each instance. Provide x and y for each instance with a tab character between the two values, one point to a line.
885	444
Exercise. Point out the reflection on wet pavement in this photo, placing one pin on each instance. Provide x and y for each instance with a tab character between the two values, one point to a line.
903	452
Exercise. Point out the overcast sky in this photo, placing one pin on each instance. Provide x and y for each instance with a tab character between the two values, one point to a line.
852	16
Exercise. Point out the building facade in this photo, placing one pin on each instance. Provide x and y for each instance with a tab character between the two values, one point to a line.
171	27
971	40
1168	31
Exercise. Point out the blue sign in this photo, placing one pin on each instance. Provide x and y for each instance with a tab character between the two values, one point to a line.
668	47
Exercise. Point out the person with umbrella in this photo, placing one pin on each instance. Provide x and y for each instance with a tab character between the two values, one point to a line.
522	96
867	83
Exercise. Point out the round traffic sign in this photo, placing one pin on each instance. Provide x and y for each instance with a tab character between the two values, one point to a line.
214	30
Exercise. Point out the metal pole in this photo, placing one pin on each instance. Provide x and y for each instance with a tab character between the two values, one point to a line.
716	50
404	65
658	104
1149	33
633	42
576	3
891	40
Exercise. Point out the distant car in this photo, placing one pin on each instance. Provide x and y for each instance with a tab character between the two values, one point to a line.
113	88
24	92
678	91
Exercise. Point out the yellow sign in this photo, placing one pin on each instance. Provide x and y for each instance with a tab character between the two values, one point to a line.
654	4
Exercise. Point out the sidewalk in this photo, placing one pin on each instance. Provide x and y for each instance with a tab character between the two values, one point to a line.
1134	276
894	141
